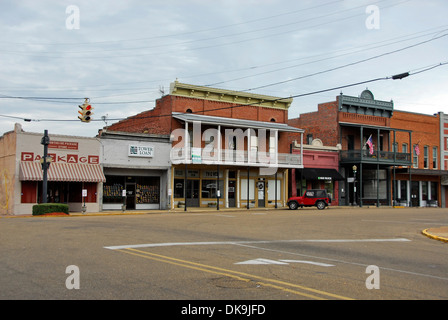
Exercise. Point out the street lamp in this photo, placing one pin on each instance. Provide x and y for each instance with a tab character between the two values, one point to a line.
354	184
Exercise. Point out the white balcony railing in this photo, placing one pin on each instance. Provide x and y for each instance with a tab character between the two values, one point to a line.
235	157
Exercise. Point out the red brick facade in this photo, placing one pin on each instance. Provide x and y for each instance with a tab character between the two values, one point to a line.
160	121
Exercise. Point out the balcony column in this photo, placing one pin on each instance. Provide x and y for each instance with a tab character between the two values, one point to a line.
301	151
219	137
248	148
378	168
186	149
360	184
361	141
276	147
410	166
186	142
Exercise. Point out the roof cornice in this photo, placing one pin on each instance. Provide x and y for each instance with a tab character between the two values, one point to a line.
229	96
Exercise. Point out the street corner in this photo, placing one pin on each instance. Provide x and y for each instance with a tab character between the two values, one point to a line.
440	233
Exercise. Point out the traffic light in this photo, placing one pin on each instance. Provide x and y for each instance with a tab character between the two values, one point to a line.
86	111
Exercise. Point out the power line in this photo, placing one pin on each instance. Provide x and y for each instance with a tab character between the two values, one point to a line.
52	53
347	65
181	33
394	77
333	57
352	50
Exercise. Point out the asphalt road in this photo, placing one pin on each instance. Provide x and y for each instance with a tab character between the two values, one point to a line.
368	253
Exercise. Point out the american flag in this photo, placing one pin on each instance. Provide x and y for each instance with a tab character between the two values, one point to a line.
370	144
417	150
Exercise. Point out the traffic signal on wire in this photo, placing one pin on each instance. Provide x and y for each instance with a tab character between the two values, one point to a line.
86	111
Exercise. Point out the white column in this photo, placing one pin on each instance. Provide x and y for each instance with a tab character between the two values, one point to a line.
186	142
219	144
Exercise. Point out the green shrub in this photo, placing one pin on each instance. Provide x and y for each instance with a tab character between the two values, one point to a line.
44	208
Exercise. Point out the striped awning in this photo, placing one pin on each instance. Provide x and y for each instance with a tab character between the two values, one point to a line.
75	172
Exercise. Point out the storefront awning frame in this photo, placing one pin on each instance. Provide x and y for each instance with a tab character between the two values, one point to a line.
70	172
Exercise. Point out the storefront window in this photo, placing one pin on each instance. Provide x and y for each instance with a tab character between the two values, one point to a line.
329	186
434	191
373	184
113	189
209	189
65	192
178	188
147	190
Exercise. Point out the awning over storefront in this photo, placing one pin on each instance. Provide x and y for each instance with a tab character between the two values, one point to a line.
74	172
321	174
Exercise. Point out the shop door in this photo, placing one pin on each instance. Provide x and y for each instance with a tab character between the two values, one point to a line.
261	187
231	193
192	193
130	196
415	192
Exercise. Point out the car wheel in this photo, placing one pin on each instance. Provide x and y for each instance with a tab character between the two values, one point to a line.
320	205
293	205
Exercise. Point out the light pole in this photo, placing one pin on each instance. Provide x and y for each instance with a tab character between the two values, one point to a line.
354	184
45	164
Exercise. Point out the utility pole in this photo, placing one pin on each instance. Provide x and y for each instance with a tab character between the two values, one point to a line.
45	164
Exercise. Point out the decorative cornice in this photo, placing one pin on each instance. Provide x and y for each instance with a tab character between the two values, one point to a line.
229	96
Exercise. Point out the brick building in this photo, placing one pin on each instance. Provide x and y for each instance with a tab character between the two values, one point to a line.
444	157
368	158
420	182
229	148
320	169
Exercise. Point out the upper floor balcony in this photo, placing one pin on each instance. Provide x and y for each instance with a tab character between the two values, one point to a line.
214	140
235	158
378	156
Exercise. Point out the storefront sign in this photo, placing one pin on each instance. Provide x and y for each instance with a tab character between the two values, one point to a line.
65	145
211	174
196	155
141	151
323	178
444	180
64	158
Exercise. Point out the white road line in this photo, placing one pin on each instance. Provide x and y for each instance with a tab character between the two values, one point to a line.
262	261
309	262
172	244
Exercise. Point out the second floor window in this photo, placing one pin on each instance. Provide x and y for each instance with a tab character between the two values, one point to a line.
415	157
435	152
404	148
425	157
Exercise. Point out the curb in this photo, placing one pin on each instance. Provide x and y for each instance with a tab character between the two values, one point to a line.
429	235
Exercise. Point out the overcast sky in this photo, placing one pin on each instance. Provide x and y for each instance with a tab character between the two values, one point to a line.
124	54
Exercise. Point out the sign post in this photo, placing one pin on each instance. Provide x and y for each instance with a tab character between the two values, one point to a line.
84	195
123	206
